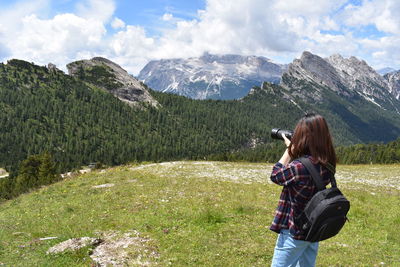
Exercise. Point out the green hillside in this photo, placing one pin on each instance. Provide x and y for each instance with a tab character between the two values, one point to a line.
192	214
45	110
78	123
370	153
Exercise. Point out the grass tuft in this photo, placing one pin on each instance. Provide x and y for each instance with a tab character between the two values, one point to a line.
211	217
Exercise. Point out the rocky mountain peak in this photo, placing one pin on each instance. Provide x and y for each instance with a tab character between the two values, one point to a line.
211	76
346	76
110	76
352	65
315	69
358	76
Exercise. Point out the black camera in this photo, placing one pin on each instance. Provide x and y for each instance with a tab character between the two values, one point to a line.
276	133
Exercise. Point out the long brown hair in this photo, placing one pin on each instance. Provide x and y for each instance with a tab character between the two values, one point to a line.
311	137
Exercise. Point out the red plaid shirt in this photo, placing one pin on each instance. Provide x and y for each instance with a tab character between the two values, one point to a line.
298	188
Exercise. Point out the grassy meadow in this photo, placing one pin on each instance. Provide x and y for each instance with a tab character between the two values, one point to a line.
195	213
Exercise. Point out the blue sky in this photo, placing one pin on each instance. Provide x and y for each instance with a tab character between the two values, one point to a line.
146	13
133	32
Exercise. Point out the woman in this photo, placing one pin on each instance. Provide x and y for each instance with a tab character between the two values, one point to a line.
311	139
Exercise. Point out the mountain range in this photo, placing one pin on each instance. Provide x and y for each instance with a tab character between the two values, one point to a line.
232	76
211	76
347	77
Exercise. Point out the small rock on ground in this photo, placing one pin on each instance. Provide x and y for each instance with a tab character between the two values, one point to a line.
128	249
114	249
103	185
73	244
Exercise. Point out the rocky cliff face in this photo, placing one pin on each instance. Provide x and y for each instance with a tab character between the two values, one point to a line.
358	76
210	76
393	79
348	77
110	76
314	70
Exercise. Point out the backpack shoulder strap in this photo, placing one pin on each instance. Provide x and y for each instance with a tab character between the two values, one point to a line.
314	173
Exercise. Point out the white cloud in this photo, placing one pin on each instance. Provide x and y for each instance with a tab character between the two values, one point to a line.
117	23
379	54
307	8
55	40
258	27
167	17
10	17
101	10
244	27
384	51
274	28
60	39
131	48
328	44
383	14
131	42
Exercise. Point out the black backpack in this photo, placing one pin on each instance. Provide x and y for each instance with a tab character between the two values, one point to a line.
325	213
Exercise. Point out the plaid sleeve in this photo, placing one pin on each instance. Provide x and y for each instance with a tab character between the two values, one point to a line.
284	175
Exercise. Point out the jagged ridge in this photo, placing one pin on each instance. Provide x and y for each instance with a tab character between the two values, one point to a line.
210	76
349	78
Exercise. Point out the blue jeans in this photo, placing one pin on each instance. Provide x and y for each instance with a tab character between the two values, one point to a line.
292	252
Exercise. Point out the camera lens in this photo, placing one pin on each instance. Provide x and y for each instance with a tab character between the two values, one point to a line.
276	133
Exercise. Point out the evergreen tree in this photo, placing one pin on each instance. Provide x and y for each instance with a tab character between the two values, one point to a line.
28	176
47	170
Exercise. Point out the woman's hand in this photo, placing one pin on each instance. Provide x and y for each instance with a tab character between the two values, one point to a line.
286	140
285	159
